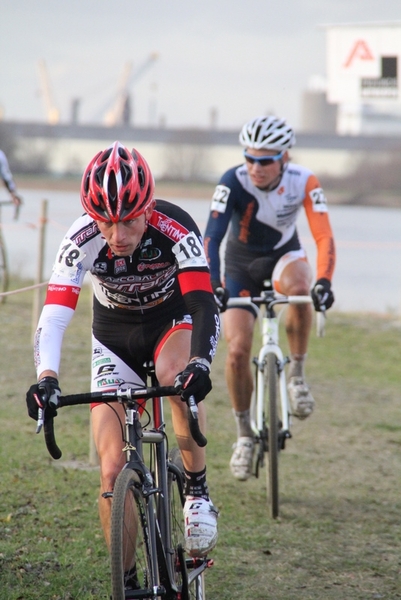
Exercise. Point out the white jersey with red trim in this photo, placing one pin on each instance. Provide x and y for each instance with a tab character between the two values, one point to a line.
167	272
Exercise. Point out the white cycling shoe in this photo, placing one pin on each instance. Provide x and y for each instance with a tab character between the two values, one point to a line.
302	402
200	518
242	458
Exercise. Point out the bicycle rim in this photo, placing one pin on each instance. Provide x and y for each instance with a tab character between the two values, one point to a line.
272	412
192	589
129	536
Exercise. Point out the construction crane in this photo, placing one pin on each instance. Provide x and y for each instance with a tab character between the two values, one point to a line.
52	112
117	115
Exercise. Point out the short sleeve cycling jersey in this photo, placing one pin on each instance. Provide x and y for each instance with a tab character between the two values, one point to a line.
264	221
168	270
5	173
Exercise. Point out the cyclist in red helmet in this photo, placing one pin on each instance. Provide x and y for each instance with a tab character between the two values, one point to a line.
153	301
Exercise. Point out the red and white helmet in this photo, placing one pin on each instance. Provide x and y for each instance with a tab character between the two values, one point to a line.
117	185
270	133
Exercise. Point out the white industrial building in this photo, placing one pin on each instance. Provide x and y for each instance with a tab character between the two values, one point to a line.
363	79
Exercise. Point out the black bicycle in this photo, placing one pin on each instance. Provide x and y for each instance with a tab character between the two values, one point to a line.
147	553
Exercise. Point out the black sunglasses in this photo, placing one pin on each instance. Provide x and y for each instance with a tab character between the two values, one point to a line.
264	161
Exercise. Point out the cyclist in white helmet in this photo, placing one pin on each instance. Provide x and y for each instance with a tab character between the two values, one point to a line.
261	200
7	177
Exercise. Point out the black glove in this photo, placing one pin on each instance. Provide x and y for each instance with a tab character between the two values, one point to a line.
194	381
322	295
221	295
43	394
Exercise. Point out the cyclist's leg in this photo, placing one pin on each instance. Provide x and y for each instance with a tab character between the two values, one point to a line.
171	357
238	328
293	276
108	371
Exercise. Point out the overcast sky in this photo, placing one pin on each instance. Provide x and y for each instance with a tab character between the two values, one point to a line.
239	57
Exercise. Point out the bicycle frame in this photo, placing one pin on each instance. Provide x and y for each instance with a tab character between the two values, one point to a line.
270	344
152	480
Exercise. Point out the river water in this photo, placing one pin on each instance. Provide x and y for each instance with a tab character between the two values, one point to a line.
368	241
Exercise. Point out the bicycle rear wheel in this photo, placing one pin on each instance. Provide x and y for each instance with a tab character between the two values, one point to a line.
271	410
130	540
190	585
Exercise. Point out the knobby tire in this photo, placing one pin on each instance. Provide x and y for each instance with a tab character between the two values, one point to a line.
271	408
130	507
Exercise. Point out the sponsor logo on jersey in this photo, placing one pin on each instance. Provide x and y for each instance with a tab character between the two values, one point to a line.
105	369
291	198
100	267
114	381
186	320
86	233
170	227
153	267
149	253
120	266
101	361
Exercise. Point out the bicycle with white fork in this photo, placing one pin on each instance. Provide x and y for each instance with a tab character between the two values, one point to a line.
270	408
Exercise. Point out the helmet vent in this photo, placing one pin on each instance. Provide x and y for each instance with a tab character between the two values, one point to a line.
141	177
99	174
86	184
126	173
123	153
105	155
112	191
256	134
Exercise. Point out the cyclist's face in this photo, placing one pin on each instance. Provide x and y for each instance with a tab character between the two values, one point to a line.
262	176
124	237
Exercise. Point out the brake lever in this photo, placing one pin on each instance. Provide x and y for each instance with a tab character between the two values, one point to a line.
40	421
193	412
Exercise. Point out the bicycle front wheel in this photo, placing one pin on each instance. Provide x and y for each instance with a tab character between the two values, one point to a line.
271	410
189	581
132	562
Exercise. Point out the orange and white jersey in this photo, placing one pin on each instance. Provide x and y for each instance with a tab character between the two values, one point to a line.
265	221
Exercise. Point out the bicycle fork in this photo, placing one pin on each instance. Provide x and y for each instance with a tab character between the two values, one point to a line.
270	346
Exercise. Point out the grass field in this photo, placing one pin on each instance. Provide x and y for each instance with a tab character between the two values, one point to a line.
339	533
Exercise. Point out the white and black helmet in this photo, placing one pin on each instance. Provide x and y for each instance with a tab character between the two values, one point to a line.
270	133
